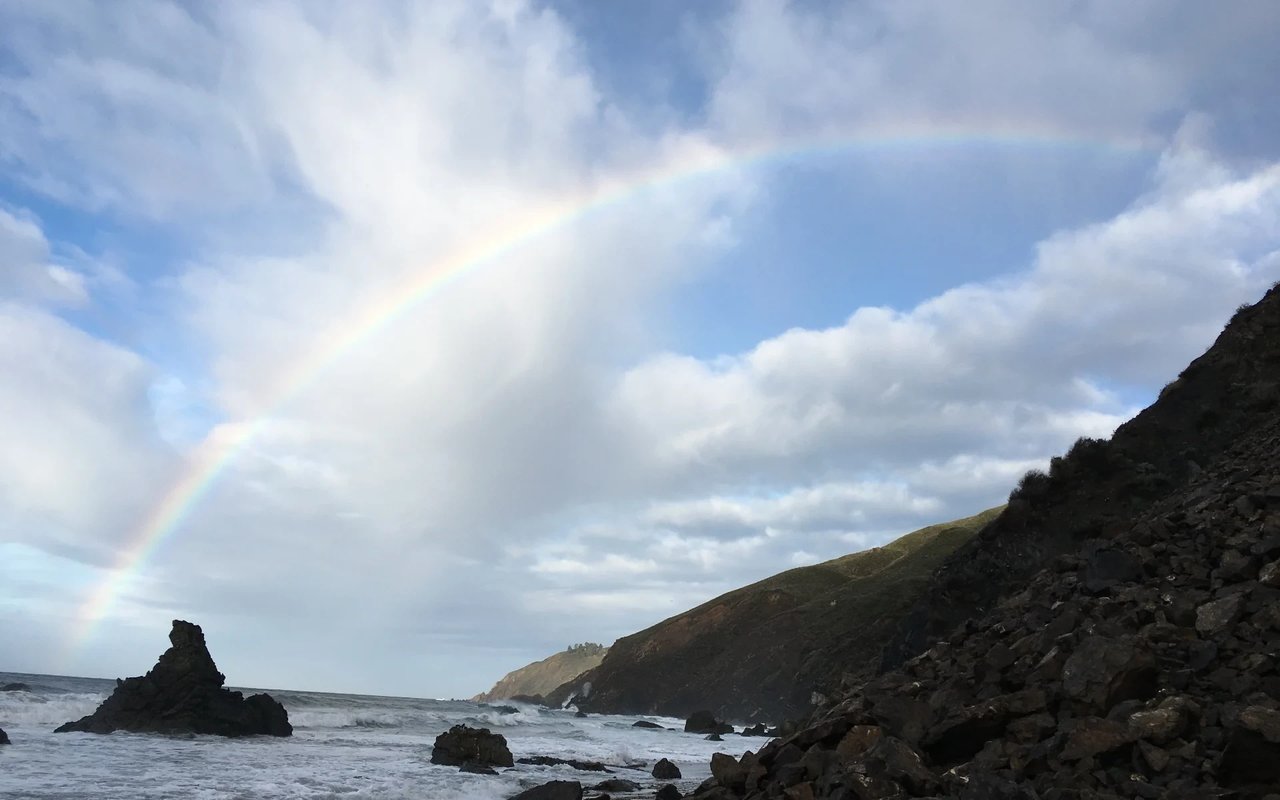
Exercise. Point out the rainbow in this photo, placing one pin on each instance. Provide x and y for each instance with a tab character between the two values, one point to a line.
227	441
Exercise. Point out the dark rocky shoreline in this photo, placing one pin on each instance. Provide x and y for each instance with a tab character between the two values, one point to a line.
1114	634
184	693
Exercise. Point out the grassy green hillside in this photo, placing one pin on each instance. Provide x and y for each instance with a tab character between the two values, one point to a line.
541	677
760	652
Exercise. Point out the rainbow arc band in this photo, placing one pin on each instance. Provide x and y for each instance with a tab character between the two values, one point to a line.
225	442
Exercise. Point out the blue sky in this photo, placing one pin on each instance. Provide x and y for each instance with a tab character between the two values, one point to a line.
912	250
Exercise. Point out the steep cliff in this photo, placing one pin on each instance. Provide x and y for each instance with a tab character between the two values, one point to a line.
541	677
760	652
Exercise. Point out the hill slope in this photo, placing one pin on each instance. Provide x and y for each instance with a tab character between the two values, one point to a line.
1114	633
543	676
759	652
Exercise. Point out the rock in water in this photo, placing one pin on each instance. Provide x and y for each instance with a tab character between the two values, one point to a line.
664	770
461	745
554	790
183	693
4	737
705	722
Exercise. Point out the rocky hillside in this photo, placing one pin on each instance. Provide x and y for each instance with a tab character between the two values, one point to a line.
540	677
760	652
1122	636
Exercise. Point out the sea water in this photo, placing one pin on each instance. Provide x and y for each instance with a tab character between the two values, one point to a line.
348	746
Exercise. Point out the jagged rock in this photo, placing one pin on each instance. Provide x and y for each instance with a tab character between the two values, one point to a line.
1158	725
552	790
668	792
1093	736
727	771
1214	617
894	760
1264	721
759	729
15	687
550	761
183	693
1104	671
705	722
4	737
664	770
463	745
1269	575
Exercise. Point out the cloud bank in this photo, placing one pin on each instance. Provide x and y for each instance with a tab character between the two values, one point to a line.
524	454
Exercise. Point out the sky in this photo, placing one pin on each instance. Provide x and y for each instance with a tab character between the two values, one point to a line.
401	344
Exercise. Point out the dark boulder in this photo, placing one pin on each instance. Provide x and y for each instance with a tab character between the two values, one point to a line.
15	687
668	792
759	729
705	722
551	761
617	785
664	770
461	745
555	790
644	723
183	693
4	737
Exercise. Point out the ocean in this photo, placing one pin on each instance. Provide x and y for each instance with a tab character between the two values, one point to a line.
343	746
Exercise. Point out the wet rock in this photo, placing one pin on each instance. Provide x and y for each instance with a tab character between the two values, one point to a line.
667	792
4	737
617	785
728	772
477	769
714	737
551	761
184	693
759	729
1216	616
664	770
705	722
554	790
464	745
644	723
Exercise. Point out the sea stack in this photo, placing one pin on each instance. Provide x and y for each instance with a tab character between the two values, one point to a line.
183	693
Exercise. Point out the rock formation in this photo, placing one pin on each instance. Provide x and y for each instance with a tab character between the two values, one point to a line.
1130	646
461	746
552	790
664	770
183	693
758	653
705	722
531	681
4	737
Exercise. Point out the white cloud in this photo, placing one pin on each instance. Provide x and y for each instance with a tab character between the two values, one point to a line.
511	455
